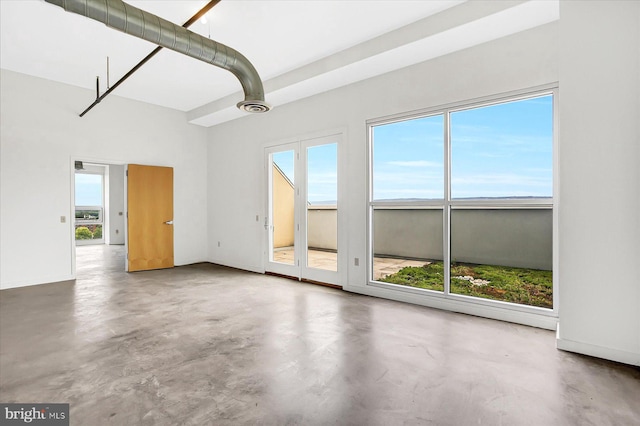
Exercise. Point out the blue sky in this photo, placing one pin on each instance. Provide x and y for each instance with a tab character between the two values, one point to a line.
502	150
284	160
88	190
322	172
408	159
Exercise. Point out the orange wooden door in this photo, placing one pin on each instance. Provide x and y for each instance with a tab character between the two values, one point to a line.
149	217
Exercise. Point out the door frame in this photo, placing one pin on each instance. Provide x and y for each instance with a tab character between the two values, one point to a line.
299	145
72	198
291	270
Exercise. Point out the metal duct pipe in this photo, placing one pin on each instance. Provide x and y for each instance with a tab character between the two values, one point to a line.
136	22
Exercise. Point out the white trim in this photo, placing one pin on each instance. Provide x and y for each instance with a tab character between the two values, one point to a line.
38	281
72	214
308	272
598	351
269	264
501	206
318	134
446	205
126	218
98	221
466	104
555	239
418	204
465	307
251	268
463	297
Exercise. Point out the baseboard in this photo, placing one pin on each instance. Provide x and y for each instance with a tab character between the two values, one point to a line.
598	351
257	269
519	317
38	281
190	262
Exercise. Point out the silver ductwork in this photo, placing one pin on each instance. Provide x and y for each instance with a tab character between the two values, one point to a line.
136	22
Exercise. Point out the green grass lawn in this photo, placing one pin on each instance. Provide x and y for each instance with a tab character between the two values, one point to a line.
517	285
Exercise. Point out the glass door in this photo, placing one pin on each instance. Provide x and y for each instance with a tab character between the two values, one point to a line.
281	222
302	221
319	210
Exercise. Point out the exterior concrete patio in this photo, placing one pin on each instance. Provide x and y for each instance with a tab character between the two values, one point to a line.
322	259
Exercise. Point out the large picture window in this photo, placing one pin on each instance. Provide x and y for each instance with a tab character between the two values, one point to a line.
461	201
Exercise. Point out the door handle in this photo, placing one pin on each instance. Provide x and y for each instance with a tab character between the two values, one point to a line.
169	222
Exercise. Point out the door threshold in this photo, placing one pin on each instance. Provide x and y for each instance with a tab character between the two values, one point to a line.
339	287
304	280
275	274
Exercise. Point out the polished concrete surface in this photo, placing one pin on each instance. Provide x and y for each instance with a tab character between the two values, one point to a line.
205	344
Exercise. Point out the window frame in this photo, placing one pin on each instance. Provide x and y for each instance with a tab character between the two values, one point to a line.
98	220
448	203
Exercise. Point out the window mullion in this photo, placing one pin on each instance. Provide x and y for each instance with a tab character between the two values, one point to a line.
446	217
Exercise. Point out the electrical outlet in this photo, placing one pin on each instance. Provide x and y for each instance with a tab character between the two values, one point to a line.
356	261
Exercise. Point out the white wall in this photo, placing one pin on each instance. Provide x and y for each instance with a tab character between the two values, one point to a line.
236	152
599	217
41	135
116	204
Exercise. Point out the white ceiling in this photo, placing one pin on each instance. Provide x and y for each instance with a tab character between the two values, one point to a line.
300	48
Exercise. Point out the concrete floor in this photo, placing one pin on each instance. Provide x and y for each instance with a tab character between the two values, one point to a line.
205	344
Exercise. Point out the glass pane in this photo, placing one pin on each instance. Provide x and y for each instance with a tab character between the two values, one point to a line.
283	203
503	254
322	207
88	189
408	160
88	232
503	150
408	247
88	215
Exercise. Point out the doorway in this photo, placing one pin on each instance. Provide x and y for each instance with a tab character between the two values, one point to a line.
98	228
302	205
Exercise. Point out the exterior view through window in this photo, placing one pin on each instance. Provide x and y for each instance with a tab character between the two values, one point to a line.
462	201
89	207
302	201
283	193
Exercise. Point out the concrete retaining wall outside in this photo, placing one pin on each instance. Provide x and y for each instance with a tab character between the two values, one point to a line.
507	237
